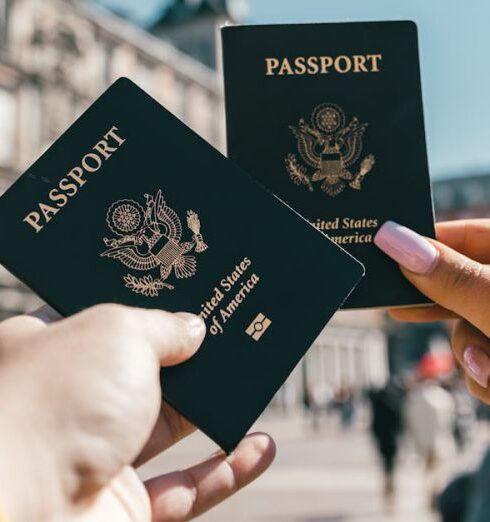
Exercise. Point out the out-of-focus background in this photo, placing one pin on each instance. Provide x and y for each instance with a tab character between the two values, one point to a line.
375	422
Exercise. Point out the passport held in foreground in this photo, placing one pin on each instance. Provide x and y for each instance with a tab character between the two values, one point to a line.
131	206
329	117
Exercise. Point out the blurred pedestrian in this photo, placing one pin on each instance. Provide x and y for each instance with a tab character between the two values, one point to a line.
430	415
478	505
345	400
453	500
467	497
386	427
465	412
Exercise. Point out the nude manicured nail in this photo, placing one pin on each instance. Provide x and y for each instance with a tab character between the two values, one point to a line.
406	247
477	363
194	322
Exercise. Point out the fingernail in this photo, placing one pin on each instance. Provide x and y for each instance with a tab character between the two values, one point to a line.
194	322
406	247
477	363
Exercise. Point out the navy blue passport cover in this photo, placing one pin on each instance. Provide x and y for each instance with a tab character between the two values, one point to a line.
130	206
329	117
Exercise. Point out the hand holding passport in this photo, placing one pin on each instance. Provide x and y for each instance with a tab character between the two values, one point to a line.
82	414
130	206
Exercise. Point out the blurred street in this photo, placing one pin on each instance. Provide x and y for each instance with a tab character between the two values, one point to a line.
329	476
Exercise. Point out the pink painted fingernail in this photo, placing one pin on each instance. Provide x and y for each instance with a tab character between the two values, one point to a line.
406	247
477	363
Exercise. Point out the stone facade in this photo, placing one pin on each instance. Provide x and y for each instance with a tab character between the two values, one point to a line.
56	57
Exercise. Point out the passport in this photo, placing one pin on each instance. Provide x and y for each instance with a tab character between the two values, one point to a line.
130	206
329	117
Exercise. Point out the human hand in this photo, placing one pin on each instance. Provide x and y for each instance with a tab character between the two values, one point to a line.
452	271
80	401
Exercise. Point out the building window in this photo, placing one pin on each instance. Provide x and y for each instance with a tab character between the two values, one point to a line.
7	127
4	18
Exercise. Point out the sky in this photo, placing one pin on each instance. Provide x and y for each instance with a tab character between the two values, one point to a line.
455	62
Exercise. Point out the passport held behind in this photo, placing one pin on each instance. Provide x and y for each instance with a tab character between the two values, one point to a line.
329	117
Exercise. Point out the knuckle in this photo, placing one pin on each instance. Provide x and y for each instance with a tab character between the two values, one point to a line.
467	275
114	316
476	232
462	285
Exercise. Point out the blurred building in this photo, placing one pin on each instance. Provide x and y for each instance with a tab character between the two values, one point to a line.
57	56
191	25
461	198
351	353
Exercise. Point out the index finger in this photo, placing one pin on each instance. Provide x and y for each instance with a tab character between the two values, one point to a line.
182	495
422	314
470	237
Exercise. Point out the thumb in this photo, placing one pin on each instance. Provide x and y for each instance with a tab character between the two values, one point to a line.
449	278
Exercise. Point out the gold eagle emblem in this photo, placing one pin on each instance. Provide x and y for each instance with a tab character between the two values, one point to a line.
149	238
332	148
